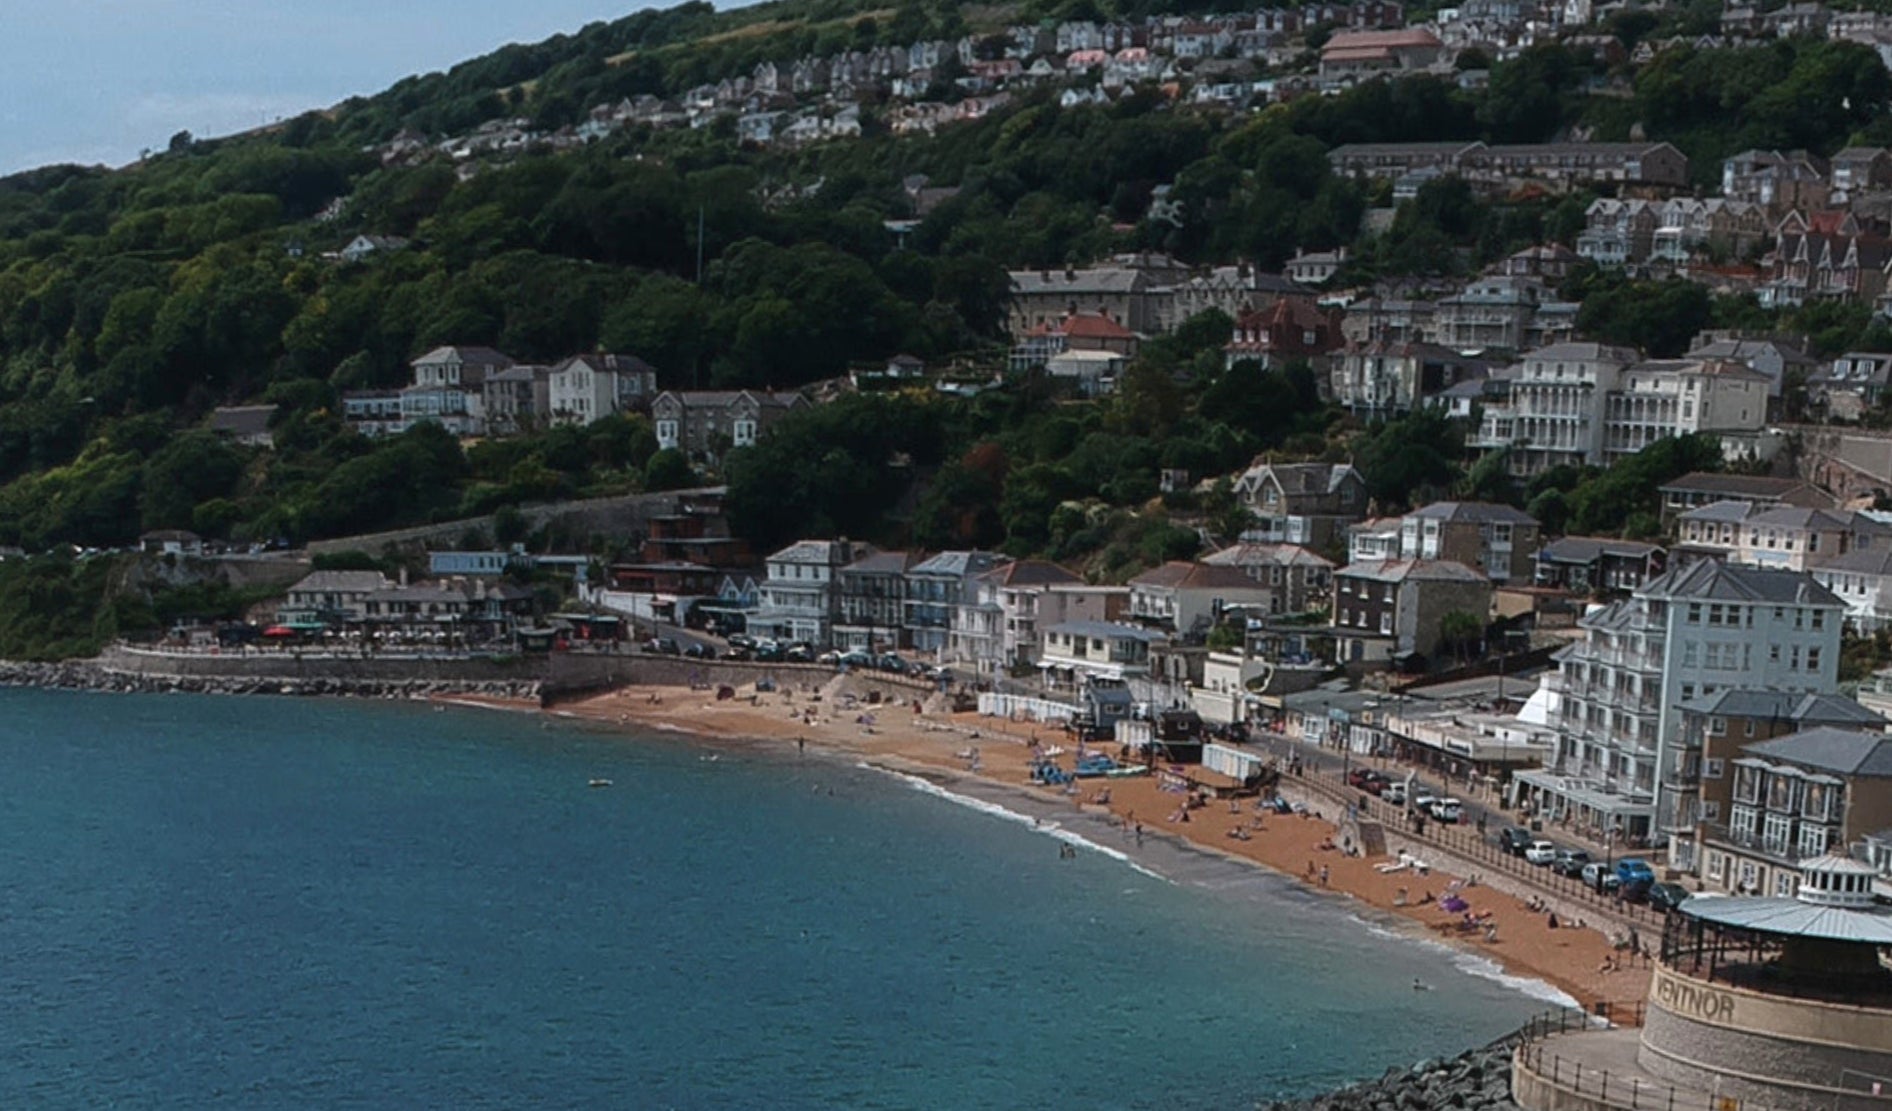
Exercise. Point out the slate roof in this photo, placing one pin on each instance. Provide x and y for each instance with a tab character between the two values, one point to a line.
1586	549
956	565
1420	570
1031	572
472	356
882	563
1794	706
823	552
340	582
1252	554
1840	751
1712	580
242	420
1475	511
1090	280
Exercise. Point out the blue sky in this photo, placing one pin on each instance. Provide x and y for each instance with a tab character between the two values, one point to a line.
95	81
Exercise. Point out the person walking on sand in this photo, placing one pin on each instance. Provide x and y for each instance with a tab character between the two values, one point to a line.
1139	835
1323	875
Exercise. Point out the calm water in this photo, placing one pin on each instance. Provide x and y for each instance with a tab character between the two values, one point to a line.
262	903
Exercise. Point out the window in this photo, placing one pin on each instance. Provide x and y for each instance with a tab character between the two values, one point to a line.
1690	655
1819	620
1717	863
1783	885
743	434
1713	769
1717	726
1710	811
1694	613
1813	659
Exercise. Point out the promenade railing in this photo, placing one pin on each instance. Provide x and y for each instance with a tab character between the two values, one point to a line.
1597	1086
1469	842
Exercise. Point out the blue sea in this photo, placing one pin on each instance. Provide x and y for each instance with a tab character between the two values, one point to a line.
264	903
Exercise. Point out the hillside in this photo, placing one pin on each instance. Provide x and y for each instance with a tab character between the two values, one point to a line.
134	302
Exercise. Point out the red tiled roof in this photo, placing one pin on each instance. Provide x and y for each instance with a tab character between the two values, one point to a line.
1091	326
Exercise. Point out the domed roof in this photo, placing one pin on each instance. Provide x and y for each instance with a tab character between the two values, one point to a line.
1836	864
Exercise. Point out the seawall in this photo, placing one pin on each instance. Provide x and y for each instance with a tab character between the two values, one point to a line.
562	676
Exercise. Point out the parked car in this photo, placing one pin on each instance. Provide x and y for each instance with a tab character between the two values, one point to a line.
890	662
1635	874
1540	852
1514	840
1569	862
1395	793
1446	810
736	652
742	640
1422	800
1599	877
698	651
1666	897
854	659
1368	780
663	646
799	653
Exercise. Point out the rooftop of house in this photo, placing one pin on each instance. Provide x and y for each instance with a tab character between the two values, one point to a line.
340	582
1779	705
603	362
1088	325
1845	752
1304	478
1476	512
1186	575
1755	487
883	563
1087	280
825	553
1585	353
1255	554
1412	570
242	420
1030	572
470	356
1713	580
956	564
1587	549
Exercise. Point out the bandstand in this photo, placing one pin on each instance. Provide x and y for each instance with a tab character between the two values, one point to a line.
1755	1003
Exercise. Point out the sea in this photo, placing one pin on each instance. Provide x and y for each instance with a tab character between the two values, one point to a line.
276	903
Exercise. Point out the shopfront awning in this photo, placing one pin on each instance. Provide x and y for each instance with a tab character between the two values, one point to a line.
1588	794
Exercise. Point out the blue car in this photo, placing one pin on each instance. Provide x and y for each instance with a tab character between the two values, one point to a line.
1635	876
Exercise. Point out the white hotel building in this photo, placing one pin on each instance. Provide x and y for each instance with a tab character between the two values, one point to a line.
1691	632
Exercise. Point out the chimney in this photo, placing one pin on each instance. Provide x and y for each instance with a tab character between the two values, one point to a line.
1070	273
403	575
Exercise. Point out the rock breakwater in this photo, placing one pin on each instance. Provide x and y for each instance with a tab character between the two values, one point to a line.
87	675
1477	1080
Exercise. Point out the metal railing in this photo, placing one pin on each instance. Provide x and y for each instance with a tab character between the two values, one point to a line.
1631	1093
1468	842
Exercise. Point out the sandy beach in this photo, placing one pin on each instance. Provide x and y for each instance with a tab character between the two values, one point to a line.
1580	961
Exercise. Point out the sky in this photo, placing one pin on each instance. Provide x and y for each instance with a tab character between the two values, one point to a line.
97	81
